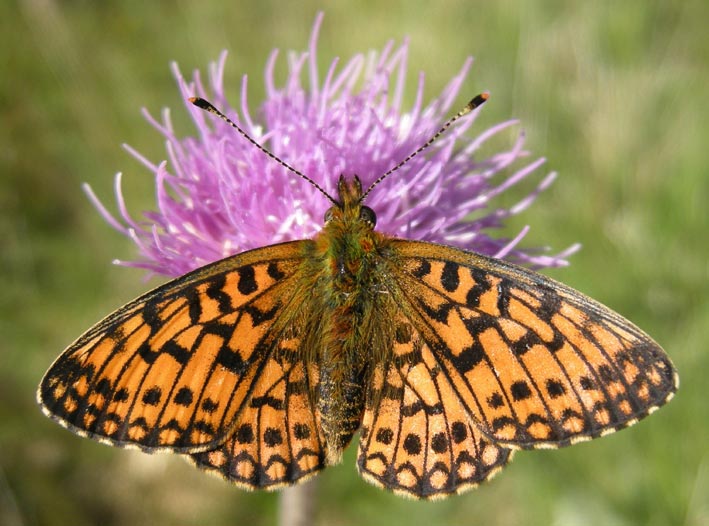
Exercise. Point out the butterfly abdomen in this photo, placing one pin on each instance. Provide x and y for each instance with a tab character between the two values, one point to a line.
340	403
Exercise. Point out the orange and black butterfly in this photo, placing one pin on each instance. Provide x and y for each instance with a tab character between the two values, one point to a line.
264	365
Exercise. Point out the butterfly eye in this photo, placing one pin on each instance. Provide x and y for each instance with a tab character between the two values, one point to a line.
328	215
367	215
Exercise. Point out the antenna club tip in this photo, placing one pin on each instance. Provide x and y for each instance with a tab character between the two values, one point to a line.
200	102
478	100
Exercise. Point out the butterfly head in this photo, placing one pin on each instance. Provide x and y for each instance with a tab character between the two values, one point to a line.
348	208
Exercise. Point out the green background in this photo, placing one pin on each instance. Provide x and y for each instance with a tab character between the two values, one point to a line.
614	94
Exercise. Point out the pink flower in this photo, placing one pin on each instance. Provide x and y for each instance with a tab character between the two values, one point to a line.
219	195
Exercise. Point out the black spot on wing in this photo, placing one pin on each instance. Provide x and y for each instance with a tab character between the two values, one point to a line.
223	330
587	384
184	396
495	400
555	388
412	444
244	434
439	443
179	353
459	432
152	396
260	316
385	435
450	280
209	405
423	270
194	306
520	390
482	285
103	387
231	360
260	401
301	431
272	437
439	314
215	291
247	280
274	272
147	354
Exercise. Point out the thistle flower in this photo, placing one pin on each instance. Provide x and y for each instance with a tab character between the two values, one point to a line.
219	195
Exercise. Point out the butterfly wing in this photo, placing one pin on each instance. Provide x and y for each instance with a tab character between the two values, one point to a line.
174	368
276	440
535	363
417	438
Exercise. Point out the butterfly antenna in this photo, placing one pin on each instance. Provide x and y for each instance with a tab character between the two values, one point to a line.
208	106
476	102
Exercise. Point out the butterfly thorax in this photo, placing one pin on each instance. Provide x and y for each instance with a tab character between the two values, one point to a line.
348	251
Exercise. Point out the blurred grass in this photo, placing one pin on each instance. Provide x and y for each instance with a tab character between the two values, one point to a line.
614	94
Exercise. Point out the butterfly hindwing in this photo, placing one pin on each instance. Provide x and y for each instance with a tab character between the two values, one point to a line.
276	440
417	438
173	369
535	363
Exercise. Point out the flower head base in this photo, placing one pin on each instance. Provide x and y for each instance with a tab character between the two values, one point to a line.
222	196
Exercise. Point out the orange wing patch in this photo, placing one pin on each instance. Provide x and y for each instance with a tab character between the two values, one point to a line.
172	369
417	438
536	363
276	440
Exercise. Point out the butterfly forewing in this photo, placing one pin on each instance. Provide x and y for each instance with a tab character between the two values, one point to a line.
535	363
173	369
417	438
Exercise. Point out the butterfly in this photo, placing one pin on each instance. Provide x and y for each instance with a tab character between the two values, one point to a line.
261	367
